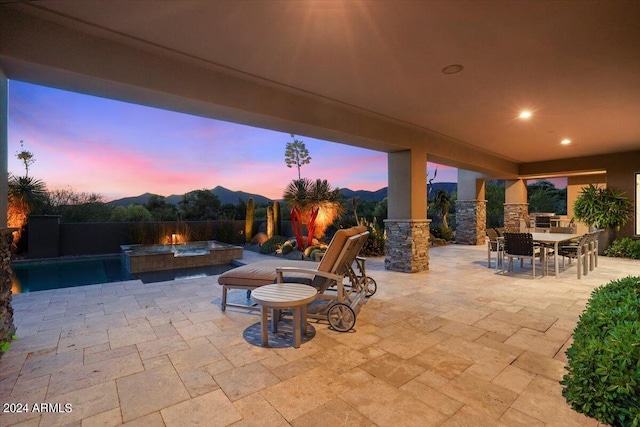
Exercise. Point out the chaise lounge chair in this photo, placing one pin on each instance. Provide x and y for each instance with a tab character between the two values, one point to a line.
327	276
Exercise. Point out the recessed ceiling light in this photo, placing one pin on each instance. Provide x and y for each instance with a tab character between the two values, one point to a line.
565	141
452	69
525	114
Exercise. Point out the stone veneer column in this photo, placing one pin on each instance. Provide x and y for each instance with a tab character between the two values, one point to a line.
512	214
7	328
407	245
4	129
471	222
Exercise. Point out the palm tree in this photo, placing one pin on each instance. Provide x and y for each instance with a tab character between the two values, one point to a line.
26	195
495	195
296	193
307	195
327	201
542	196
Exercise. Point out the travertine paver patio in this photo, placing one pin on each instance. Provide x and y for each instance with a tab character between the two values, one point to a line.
459	345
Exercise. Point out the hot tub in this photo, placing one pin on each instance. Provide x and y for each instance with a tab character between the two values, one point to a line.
144	258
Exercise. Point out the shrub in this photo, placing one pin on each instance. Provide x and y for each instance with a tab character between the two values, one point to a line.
5	342
603	372
441	232
602	207
624	248
272	244
86	212
224	233
132	213
375	243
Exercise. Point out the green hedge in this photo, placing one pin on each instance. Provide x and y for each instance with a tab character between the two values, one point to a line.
603	373
624	248
442	233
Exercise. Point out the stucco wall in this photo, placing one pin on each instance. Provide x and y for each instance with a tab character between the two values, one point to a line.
574	187
619	170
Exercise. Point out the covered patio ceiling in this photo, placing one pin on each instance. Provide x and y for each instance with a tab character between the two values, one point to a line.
574	64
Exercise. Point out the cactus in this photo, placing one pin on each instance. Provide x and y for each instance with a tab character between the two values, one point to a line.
287	248
270	224
277	219
355	210
248	223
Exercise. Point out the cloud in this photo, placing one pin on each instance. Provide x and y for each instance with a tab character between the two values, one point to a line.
119	149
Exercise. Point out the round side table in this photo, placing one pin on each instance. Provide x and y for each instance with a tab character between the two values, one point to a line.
280	296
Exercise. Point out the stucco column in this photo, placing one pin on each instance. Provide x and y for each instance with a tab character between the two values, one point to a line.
471	208
407	226
4	138
515	203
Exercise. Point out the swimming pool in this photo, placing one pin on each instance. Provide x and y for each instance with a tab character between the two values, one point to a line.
32	276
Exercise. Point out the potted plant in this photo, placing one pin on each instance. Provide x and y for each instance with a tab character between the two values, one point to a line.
603	208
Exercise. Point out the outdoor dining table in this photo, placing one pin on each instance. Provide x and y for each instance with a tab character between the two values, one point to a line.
555	239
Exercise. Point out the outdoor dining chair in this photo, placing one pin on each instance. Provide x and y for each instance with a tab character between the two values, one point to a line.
593	250
579	251
494	244
520	245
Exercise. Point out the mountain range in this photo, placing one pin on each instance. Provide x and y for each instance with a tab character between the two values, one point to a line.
229	196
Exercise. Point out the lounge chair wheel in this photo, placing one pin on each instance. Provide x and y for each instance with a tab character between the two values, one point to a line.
341	317
370	287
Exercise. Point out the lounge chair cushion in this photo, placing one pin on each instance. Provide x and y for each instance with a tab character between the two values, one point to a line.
262	272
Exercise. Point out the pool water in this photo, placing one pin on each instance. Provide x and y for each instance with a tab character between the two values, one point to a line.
31	276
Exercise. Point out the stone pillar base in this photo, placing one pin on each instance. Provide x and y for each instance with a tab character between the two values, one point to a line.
407	245
512	214
471	222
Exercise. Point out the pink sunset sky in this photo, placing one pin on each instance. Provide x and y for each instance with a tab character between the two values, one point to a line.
117	149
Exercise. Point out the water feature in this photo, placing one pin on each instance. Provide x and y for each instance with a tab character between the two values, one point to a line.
146	258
